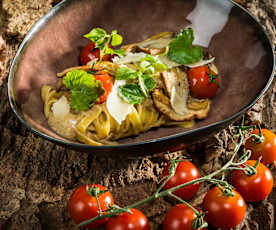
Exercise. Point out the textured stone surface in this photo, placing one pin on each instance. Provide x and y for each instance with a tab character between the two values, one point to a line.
37	177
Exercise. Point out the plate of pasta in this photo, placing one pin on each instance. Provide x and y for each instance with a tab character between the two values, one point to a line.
122	82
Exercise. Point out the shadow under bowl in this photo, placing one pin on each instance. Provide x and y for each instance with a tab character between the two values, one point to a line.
243	51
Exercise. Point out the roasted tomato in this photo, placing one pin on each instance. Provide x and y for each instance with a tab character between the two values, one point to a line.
106	81
265	149
256	187
185	172
126	221
83	206
89	52
223	211
203	82
179	217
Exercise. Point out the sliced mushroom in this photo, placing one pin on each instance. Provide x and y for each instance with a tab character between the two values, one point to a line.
110	67
154	45
162	103
197	104
178	105
175	77
83	67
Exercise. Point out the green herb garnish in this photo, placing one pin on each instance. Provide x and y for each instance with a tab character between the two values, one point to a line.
181	49
140	78
103	41
125	73
131	93
85	90
147	84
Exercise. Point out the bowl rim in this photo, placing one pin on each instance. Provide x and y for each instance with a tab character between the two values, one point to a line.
43	20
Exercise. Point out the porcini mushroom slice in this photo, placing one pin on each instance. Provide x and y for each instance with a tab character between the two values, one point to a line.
197	104
154	45
162	103
109	67
174	77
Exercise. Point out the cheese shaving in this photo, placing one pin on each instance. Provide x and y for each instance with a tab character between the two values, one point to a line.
118	108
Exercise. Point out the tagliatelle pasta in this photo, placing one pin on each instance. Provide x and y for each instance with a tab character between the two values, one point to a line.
77	109
97	126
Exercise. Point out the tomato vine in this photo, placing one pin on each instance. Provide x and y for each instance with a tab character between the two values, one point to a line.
235	163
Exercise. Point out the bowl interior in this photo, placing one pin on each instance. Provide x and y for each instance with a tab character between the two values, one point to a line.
243	52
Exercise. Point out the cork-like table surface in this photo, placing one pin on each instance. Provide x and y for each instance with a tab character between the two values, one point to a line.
37	177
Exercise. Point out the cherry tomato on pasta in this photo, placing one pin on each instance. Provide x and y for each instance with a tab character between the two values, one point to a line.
83	206
256	187
106	81
126	221
266	149
203	82
179	217
223	211
89	52
185	172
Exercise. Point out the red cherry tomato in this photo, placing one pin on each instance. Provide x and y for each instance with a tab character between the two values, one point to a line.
83	206
179	217
126	221
185	172
223	211
266	149
201	83
89	52
256	187
106	81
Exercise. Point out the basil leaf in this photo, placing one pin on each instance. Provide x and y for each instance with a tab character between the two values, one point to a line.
119	52
131	93
147	84
84	89
159	67
116	40
96	35
78	77
181	49
125	73
83	97
149	58
152	64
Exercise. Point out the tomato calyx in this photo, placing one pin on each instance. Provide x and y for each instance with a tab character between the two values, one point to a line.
252	170
92	190
199	221
94	71
258	138
213	78
173	164
225	188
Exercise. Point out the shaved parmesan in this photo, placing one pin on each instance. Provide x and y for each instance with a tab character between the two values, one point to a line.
116	107
172	64
156	44
201	63
129	58
61	107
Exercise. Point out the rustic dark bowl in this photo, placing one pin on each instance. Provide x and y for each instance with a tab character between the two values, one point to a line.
243	52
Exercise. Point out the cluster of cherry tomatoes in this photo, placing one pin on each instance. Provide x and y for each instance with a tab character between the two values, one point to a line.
221	211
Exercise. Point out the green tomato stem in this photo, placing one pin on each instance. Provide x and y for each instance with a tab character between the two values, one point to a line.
186	203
